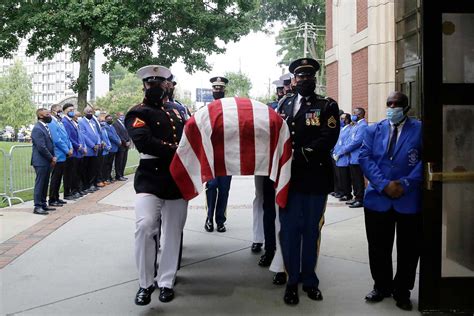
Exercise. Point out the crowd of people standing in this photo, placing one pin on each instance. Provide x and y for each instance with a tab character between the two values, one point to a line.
78	150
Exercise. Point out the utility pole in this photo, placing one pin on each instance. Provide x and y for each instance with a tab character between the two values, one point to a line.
305	39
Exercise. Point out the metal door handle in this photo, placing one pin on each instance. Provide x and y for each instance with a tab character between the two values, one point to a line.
430	176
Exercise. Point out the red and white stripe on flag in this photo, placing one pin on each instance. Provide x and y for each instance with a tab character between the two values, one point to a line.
233	136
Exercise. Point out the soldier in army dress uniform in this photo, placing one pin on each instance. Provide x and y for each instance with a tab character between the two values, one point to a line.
314	126
156	131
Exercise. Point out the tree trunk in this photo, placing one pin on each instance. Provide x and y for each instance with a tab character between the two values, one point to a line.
83	80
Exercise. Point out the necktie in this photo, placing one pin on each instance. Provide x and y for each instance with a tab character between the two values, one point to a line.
49	133
393	142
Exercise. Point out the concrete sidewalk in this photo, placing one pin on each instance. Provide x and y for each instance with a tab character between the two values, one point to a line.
85	266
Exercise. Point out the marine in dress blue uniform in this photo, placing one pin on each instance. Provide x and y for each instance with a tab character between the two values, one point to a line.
314	125
390	158
156	131
217	190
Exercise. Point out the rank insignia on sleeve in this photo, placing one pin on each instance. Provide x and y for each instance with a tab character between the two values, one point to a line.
332	122
138	123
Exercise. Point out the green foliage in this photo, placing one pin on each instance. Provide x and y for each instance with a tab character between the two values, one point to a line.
126	30
266	99
239	84
125	93
16	97
293	13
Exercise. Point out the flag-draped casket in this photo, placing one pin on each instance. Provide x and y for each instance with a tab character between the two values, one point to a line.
233	136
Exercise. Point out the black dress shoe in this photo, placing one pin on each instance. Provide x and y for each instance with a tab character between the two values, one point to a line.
166	294
69	197
78	195
50	209
209	226
313	293
338	195
266	259
344	198
61	201
143	296
351	202
356	204
40	211
291	295
122	179
404	304
221	228
376	296
55	204
332	193
256	247
279	278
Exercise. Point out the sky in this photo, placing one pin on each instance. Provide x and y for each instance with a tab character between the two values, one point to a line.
255	55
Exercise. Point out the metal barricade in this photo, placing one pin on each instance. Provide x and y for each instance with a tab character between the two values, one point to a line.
132	160
22	174
4	176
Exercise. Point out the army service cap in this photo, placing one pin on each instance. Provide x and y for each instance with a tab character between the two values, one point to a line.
304	67
278	83
219	81
286	79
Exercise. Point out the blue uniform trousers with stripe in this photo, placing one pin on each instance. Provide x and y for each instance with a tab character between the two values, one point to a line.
301	222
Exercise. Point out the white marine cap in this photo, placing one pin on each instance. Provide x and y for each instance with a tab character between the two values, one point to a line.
278	83
286	78
153	73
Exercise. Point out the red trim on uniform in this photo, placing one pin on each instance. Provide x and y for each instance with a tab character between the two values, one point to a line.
246	136
182	179
216	119
195	140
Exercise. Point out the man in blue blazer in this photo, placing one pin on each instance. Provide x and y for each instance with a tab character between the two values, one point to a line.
122	153
63	149
115	143
342	171
353	149
92	139
43	160
390	158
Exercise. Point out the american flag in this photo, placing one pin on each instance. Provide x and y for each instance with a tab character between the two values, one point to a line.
233	136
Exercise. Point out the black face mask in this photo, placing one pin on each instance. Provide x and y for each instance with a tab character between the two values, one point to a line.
171	94
218	95
47	119
280	96
155	95
89	116
305	87
110	122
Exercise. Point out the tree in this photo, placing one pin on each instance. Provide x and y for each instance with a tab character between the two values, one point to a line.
294	13
16	97
125	93
239	84
126	30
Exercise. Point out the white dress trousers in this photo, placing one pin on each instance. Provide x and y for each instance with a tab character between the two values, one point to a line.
150	211
258	235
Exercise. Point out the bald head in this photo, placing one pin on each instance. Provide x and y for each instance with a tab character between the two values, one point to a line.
397	99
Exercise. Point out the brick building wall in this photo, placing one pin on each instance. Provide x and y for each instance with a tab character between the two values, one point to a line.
362	12
332	83
360	77
328	24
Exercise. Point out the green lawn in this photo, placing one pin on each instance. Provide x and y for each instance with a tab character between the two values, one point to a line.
24	175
